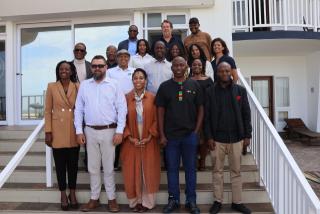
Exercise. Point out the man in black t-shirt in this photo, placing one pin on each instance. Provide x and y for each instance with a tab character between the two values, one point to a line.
228	130
180	115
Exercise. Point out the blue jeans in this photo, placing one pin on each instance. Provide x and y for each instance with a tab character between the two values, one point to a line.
187	149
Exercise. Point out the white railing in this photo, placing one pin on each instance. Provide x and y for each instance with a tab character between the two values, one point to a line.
289	191
276	15
24	149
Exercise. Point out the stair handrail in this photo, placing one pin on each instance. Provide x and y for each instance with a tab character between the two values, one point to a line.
23	150
287	187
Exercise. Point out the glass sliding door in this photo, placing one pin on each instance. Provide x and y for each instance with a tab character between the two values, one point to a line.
41	49
2	81
100	35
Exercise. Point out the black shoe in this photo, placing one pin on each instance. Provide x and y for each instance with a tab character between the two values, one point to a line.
240	208
171	206
192	207
215	208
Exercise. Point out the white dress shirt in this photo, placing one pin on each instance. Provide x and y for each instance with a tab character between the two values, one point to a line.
158	72
123	77
138	61
81	69
100	104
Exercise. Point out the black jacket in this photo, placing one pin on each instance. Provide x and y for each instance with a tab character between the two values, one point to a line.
241	107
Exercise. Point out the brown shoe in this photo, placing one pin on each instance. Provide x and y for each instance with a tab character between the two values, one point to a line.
113	206
90	206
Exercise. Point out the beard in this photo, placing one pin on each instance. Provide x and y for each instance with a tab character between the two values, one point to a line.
98	76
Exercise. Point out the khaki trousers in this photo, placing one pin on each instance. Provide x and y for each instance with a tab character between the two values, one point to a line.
101	149
233	150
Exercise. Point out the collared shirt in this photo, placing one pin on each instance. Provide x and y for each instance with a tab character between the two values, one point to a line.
123	77
132	47
81	69
100	104
138	61
202	39
158	72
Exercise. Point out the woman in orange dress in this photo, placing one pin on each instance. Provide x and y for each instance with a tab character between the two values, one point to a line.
140	152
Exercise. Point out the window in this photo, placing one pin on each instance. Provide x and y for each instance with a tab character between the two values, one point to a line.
98	36
282	115
41	50
2	29
152	25
282	92
2	81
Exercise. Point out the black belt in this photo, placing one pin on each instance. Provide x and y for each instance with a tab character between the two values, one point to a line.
110	126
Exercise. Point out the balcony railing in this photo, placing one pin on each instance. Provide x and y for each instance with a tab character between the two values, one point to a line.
289	191
270	15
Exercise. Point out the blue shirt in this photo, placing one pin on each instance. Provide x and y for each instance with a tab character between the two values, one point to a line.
100	104
132	47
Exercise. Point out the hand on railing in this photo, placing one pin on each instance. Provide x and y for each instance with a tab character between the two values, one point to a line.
48	139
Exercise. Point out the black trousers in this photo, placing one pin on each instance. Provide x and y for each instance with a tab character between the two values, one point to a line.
66	160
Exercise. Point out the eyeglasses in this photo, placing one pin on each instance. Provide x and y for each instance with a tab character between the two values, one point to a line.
79	50
97	66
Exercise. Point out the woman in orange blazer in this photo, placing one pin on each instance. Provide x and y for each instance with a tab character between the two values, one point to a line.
140	152
60	132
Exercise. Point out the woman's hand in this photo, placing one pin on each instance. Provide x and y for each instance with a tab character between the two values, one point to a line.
48	139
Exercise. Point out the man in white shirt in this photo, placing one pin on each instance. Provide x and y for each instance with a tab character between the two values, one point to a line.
123	74
82	65
159	69
102	104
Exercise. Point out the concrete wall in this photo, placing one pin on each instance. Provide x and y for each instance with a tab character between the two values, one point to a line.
293	67
313	95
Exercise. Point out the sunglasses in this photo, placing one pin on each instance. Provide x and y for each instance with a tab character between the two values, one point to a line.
97	66
133	31
79	50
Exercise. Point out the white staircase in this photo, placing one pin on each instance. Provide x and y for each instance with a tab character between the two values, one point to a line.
25	191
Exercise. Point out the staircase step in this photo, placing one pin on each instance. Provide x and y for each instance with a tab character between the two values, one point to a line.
13	145
27	192
38	175
37	158
259	208
17	132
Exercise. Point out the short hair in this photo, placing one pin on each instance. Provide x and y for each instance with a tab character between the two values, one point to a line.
194	20
167	21
111	46
73	75
182	53
81	43
224	45
202	55
142	71
99	57
147	45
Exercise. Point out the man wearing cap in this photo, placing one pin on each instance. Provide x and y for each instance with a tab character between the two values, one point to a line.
130	44
123	74
198	37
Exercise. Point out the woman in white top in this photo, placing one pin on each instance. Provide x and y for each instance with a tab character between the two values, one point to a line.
196	52
142	56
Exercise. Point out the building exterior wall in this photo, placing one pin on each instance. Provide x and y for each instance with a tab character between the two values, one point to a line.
293	67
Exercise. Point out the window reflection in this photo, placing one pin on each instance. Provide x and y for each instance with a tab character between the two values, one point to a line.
98	36
41	50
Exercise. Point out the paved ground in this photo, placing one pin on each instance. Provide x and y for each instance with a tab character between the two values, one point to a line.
307	157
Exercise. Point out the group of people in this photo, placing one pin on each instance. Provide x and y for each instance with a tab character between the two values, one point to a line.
143	98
